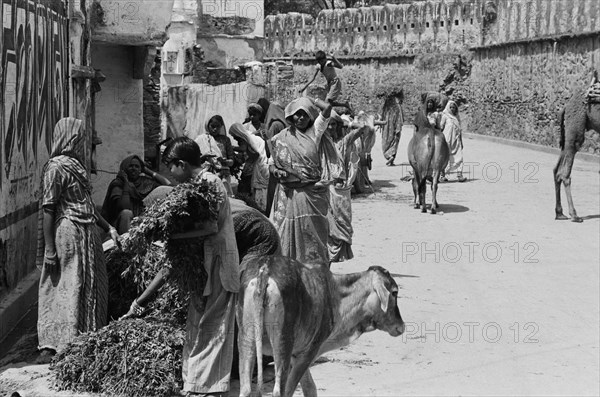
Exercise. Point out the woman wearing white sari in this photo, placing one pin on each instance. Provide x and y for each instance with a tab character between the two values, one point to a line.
450	125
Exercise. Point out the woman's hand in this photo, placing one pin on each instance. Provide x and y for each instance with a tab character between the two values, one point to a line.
135	310
50	256
277	173
114	235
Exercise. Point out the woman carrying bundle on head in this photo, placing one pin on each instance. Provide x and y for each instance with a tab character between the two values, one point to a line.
300	204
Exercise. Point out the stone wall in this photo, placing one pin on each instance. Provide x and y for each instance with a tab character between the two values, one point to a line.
532	19
424	26
515	91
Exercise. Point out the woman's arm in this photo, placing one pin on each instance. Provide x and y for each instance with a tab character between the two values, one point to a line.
137	306
50	256
107	227
157	177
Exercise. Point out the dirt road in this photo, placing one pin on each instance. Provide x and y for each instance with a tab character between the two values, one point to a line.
498	297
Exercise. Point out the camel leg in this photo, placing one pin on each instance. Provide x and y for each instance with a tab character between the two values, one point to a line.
574	217
563	174
557	181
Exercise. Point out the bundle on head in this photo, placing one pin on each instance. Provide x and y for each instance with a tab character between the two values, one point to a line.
137	357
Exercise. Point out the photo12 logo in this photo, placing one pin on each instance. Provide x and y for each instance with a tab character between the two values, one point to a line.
240	8
469	251
471	332
493	172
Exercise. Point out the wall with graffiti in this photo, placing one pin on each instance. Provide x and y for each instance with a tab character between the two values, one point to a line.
34	94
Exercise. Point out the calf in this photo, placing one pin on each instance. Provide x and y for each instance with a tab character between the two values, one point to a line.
296	312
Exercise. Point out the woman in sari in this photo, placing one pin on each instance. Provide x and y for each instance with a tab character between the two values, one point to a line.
450	125
275	122
125	195
256	164
300	204
340	211
215	126
73	289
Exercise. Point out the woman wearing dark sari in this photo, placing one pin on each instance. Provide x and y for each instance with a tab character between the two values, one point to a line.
275	122
301	200
73	289
125	195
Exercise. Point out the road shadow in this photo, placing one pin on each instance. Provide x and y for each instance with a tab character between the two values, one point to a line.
403	275
453	208
376	187
588	217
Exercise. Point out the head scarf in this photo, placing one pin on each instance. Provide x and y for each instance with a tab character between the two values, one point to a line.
274	114
448	111
301	104
265	105
67	138
255	107
222	130
260	172
257	144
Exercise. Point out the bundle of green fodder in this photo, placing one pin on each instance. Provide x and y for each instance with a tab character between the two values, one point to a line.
135	357
128	277
187	207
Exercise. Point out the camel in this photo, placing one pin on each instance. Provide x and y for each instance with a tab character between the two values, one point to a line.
577	117
428	152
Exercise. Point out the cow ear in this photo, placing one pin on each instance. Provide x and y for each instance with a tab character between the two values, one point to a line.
382	293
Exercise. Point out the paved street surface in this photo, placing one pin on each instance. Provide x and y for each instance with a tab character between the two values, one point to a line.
498	297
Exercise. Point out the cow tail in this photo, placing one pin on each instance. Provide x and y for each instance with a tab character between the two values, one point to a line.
259	301
561	123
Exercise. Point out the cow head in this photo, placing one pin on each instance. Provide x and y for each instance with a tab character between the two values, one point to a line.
385	313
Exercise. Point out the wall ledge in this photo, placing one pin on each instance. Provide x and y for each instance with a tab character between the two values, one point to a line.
553	38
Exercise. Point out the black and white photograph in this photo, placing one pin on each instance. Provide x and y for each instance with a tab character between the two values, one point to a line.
285	198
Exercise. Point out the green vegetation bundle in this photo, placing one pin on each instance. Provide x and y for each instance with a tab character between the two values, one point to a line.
134	358
142	357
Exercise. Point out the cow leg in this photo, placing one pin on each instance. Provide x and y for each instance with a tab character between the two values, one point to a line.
309	389
415	186
434	187
422	192
281	336
300	365
246	345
